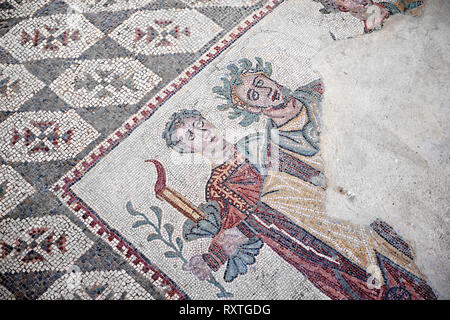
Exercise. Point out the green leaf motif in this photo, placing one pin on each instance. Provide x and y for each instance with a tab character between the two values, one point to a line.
233	69
414	5
176	253
153	236
268	69
218	90
226	84
391	8
246	122
248	119
245	63
224	107
139	223
179	243
169	229
235	114
131	210
170	254
158	213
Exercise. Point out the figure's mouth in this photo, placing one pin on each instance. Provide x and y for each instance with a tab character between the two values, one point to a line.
284	103
276	95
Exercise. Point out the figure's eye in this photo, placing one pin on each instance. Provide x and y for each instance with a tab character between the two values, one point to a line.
252	95
259	83
199	124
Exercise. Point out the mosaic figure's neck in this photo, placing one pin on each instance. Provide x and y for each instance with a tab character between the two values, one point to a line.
282	115
220	155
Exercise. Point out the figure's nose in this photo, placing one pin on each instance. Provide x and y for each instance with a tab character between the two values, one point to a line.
204	133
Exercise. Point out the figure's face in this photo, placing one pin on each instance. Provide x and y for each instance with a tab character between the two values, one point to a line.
351	4
198	135
375	17
259	92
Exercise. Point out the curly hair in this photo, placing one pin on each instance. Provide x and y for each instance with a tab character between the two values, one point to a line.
176	120
230	82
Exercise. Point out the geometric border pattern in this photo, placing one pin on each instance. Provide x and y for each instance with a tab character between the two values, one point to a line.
106	5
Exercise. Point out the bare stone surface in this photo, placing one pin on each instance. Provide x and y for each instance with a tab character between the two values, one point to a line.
386	133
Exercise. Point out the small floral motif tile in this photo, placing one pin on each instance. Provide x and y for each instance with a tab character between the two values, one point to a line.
44	136
38	244
166	31
102	83
55	36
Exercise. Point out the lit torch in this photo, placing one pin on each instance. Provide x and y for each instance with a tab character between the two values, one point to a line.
175	199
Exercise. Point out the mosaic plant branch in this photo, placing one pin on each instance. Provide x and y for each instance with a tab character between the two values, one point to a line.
177	247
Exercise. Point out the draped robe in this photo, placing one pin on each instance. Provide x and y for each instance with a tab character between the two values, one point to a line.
236	187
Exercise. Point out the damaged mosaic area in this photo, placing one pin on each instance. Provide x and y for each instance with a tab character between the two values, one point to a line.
78	79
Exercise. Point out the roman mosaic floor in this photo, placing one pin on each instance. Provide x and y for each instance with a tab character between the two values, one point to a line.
88	90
